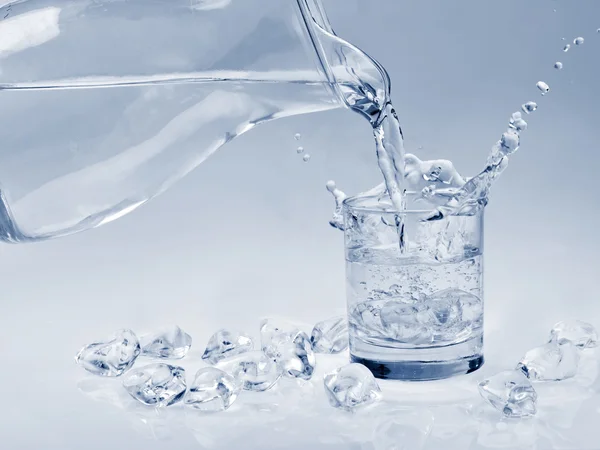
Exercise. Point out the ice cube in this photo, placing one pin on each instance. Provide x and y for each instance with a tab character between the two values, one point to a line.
468	306
402	322
253	370
167	343
550	362
330	336
351	386
367	318
511	393
581	334
157	385
225	344
111	358
296	358
274	333
212	390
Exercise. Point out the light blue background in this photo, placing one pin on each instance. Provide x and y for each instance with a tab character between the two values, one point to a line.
197	258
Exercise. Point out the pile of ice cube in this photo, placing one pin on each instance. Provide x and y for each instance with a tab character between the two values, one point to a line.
234	365
512	391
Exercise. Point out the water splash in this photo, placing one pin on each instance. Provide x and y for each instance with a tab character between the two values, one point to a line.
529	107
543	87
473	195
337	221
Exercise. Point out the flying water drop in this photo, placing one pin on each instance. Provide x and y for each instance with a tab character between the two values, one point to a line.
578	41
558	65
529	107
300	150
543	87
297	136
566	48
306	158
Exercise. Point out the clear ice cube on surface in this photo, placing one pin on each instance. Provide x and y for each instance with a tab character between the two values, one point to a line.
581	334
296	358
274	334
330	336
351	386
225	344
167	343
254	371
511	393
212	390
157	385
111	358
550	362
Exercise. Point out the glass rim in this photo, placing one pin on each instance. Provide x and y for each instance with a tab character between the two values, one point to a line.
351	203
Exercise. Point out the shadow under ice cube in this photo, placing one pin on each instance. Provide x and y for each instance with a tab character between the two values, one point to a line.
157	385
212	390
351	387
550	362
225	344
111	358
168	343
581	334
511	393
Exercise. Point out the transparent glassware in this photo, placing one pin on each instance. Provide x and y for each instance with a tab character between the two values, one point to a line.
416	314
105	104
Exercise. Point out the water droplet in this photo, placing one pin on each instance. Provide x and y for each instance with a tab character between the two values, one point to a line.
566	48
297	136
562	39
554	10
529	107
330	185
598	30
578	41
300	150
558	65
543	87
306	158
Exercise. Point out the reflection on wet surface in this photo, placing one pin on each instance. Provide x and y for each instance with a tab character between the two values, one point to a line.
446	414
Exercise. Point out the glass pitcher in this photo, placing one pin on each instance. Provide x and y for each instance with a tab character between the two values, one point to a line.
105	104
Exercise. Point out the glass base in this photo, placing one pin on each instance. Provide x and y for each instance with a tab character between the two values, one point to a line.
420	370
417	363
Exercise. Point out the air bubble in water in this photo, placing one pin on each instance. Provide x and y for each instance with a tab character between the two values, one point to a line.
578	41
543	87
529	107
558	65
300	150
297	136
306	158
566	48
